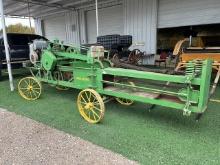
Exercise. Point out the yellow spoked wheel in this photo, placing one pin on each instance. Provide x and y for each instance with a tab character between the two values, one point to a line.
29	88
91	106
126	102
123	101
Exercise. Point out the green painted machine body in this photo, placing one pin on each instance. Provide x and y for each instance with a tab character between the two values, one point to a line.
71	67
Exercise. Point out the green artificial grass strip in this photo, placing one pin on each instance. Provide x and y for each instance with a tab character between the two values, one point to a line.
162	136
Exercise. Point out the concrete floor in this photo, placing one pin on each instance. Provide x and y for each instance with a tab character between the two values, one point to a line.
24	141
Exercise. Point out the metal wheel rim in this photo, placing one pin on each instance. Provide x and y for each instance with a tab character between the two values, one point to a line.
123	101
91	106
29	88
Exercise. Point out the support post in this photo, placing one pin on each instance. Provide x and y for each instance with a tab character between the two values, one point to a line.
97	17
6	46
190	37
29	14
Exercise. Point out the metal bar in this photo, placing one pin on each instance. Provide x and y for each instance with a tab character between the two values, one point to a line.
158	91
97	18
17	62
73	56
149	75
6	46
205	85
57	6
161	102
29	15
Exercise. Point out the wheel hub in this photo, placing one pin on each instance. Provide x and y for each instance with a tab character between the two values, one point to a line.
30	88
89	106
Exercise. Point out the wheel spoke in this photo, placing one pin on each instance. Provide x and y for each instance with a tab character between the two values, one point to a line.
23	88
89	114
87	97
36	88
36	93
94	116
82	102
30	94
26	82
83	99
95	113
97	108
29	81
90	96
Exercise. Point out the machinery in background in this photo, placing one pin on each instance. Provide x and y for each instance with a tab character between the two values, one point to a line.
186	53
118	46
19	50
87	69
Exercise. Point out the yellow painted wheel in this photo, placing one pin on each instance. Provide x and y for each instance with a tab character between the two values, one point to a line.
126	102
29	88
123	101
91	106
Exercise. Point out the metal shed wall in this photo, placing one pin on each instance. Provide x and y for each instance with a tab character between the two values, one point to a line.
173	13
140	21
110	22
137	18
38	26
54	27
64	27
72	28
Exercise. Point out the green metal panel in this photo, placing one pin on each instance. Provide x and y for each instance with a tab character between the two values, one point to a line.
205	85
148	75
48	60
91	71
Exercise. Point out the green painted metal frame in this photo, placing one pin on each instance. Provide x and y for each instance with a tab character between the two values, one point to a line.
90	72
202	95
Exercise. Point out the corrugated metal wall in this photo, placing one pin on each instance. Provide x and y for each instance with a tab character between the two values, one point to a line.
139	19
173	13
110	22
64	27
82	27
54	27
141	23
72	28
38	26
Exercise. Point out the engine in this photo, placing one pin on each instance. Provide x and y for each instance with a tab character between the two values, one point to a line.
35	50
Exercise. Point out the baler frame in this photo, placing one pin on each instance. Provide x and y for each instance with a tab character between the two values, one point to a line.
99	81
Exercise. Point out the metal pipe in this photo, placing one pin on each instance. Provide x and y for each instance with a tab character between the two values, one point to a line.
97	17
190	37
29	15
6	46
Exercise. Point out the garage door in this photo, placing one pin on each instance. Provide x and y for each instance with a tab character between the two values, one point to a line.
110	22
54	27
173	13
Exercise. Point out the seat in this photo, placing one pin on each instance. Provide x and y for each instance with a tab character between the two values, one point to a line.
162	59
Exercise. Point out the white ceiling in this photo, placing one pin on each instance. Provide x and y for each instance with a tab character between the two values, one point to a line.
40	8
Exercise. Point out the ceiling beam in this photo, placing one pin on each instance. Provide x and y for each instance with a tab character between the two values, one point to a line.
58	6
53	1
33	8
77	3
49	14
101	4
43	11
8	4
14	8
